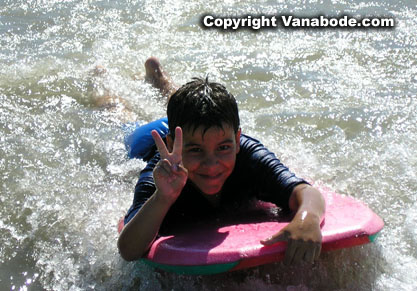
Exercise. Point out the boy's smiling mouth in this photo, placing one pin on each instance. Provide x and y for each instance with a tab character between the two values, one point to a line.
210	177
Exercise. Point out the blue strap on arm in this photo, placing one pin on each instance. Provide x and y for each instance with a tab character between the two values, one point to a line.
138	139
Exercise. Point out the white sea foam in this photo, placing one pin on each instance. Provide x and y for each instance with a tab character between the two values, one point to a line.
338	107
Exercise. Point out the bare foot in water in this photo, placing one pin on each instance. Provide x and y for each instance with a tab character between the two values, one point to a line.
99	71
158	77
105	99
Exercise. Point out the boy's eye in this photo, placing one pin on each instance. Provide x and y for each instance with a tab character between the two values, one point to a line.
195	150
224	147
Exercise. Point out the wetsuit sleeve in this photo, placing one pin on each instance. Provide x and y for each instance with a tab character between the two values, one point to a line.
145	187
273	180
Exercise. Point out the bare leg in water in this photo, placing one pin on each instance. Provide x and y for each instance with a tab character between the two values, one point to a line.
155	75
159	78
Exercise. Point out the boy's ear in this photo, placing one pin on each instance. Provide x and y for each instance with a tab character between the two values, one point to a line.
170	142
237	136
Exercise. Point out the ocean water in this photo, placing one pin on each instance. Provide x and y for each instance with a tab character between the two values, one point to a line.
338	106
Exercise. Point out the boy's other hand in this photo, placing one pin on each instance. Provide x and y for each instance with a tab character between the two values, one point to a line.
303	236
169	174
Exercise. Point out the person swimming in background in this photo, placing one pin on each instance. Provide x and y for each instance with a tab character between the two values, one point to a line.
103	98
207	165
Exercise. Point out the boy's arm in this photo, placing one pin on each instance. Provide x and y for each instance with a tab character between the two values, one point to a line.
280	186
138	235
303	233
170	177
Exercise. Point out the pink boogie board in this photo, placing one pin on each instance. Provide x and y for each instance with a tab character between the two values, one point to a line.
233	243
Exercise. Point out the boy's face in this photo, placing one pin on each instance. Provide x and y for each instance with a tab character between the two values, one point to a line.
209	158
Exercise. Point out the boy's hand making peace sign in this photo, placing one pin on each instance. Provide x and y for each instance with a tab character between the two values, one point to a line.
169	174
170	177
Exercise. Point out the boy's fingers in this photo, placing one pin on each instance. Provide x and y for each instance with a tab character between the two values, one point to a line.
310	255
170	168
177	150
299	252
166	165
290	252
163	168
163	151
182	169
280	236
318	251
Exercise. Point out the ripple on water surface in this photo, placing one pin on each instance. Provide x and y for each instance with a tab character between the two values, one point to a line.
336	106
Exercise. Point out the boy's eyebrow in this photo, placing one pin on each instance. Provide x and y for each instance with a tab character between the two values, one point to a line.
227	140
193	144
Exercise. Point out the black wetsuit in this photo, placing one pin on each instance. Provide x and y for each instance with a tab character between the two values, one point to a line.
257	174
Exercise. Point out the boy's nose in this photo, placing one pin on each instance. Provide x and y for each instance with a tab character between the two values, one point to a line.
210	161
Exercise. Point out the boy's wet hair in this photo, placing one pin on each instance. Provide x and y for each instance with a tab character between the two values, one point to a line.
202	103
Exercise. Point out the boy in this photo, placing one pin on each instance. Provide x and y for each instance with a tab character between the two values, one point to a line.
207	165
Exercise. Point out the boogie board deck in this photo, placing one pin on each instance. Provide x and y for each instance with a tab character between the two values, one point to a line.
233	243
